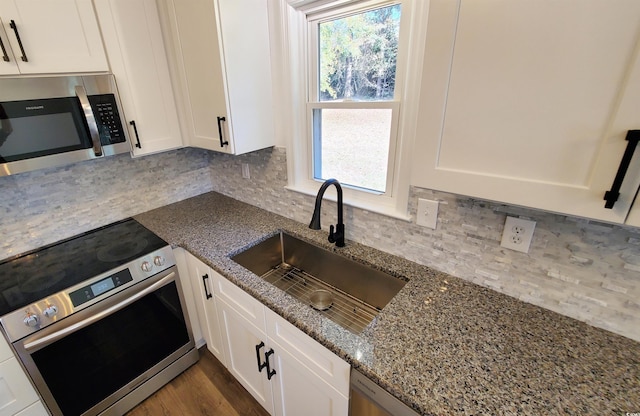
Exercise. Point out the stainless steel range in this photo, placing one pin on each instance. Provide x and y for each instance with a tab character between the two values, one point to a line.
98	320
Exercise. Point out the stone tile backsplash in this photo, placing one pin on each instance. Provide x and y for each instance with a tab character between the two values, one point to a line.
579	268
48	205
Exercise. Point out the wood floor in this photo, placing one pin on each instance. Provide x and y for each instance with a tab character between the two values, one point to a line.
206	388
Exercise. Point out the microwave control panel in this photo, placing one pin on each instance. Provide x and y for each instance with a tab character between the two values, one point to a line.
107	117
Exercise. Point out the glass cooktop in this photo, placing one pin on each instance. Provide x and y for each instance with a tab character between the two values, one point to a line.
53	268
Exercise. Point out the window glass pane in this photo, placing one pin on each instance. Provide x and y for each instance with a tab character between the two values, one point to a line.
352	145
357	56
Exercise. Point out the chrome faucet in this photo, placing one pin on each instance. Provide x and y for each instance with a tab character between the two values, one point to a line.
337	236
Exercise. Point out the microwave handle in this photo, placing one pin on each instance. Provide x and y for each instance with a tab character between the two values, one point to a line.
91	120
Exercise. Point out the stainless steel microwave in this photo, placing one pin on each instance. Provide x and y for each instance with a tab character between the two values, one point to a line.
52	121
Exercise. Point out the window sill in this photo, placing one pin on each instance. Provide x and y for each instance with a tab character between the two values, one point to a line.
386	208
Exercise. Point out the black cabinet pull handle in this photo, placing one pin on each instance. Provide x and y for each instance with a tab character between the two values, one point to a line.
260	365
204	283
5	57
270	372
220	120
135	130
13	26
611	196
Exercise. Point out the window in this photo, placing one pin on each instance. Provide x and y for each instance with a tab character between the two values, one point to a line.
352	67
348	68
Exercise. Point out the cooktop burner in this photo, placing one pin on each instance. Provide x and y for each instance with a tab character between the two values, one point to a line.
43	272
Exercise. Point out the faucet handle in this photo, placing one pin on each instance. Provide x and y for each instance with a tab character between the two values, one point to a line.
332	238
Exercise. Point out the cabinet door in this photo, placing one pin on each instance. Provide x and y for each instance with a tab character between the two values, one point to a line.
16	392
195	25
298	391
247	71
225	71
56	36
241	338
202	280
529	103
133	38
310	379
191	294
318	359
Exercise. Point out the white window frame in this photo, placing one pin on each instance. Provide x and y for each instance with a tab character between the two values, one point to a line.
297	97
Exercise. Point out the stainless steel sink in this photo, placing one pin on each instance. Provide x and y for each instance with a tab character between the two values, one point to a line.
349	293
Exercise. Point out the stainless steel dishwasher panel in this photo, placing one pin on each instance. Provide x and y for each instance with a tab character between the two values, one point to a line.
369	399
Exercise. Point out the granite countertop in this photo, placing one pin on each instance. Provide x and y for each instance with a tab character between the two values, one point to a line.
442	345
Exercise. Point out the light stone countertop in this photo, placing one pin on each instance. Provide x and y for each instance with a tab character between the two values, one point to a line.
442	345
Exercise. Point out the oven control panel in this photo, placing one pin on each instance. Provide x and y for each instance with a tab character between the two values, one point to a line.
45	312
89	292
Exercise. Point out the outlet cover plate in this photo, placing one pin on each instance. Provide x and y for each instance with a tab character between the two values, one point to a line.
246	173
427	215
517	234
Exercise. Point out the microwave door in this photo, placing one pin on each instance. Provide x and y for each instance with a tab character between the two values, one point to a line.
34	131
91	121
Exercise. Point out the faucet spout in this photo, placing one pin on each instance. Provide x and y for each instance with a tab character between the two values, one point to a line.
336	236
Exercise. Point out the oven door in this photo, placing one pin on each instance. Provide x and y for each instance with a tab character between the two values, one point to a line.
90	360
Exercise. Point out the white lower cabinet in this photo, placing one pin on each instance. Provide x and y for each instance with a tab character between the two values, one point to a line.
310	380
17	395
205	322
285	370
244	344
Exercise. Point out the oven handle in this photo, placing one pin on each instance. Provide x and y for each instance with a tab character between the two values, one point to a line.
51	338
81	93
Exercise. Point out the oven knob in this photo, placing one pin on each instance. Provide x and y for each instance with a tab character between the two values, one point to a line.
31	320
50	311
146	266
158	261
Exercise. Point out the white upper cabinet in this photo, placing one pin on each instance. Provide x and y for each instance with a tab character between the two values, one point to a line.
44	36
224	65
137	56
529	102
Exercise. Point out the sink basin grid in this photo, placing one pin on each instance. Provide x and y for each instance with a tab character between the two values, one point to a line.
300	268
347	311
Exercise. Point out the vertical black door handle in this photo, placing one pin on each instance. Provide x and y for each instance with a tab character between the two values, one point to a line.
611	196
223	142
270	372
260	365
135	130
5	57
13	26
204	283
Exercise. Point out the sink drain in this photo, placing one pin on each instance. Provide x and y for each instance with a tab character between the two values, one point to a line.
321	299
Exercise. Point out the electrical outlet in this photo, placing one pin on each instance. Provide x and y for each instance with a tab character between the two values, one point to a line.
517	234
427	215
246	174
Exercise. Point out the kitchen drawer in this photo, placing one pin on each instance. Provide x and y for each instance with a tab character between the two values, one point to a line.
308	352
